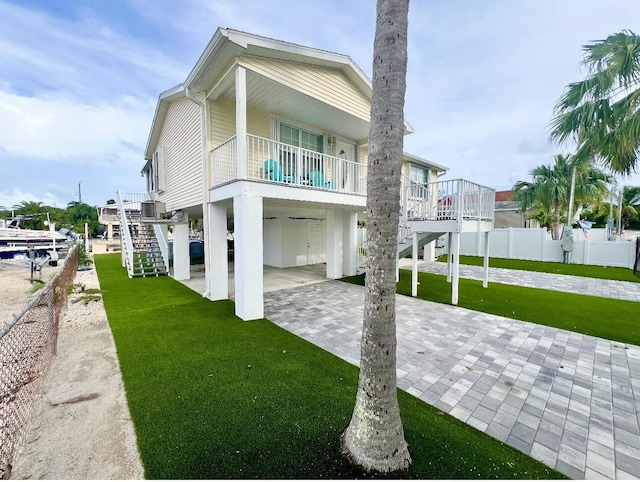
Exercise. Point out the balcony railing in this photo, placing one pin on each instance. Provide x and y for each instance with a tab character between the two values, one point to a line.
279	163
454	199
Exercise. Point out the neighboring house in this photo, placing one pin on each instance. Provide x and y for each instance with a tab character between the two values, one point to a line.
268	139
508	213
108	216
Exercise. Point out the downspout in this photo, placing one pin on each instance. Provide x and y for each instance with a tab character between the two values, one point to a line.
205	188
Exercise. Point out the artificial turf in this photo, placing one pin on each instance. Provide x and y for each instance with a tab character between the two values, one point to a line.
608	318
586	270
214	397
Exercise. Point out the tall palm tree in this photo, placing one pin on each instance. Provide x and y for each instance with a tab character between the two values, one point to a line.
550	188
602	112
374	439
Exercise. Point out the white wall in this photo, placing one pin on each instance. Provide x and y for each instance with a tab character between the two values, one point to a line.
285	242
536	245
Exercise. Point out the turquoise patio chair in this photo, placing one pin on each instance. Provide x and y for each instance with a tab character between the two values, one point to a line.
316	178
274	170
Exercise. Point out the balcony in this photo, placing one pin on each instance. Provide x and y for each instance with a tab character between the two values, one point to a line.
446	200
278	163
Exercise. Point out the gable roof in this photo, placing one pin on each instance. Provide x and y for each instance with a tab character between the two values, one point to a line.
228	45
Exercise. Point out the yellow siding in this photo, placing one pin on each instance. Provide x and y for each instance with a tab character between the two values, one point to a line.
223	121
258	122
180	138
328	85
363	154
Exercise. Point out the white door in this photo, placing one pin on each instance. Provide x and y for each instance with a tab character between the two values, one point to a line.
314	243
347	178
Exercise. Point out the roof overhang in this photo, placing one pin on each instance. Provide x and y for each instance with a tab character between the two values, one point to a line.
162	107
424	162
213	75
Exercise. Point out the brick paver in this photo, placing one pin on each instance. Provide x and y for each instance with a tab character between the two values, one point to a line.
569	400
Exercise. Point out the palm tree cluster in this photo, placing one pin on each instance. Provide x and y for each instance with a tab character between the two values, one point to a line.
601	114
74	217
550	189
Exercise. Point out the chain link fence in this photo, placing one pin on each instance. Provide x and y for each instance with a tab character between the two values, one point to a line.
27	345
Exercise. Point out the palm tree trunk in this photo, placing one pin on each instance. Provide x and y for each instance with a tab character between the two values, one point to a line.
374	439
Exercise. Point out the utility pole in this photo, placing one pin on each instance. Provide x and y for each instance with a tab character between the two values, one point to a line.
620	210
79	193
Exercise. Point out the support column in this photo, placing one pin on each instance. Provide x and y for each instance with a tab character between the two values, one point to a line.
414	264
181	258
449	256
350	244
248	257
485	266
334	235
241	122
216	253
456	270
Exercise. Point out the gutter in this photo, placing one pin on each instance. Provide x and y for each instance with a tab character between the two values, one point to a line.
205	189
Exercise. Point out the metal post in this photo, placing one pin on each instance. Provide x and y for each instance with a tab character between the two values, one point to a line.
571	194
619	212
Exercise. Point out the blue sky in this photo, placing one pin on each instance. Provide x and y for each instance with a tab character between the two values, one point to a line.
79	79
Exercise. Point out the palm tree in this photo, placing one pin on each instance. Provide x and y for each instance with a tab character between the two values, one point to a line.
29	209
602	113
374	439
550	189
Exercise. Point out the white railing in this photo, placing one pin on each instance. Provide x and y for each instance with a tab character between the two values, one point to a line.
128	205
455	199
280	163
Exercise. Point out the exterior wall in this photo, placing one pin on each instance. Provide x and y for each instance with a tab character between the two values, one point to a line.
285	242
182	144
222	117
535	245
313	81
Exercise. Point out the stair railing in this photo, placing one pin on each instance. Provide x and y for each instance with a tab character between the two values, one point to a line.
125	234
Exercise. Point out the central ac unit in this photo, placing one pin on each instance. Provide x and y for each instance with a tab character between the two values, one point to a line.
152	210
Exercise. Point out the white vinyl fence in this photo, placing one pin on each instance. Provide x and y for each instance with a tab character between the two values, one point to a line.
537	245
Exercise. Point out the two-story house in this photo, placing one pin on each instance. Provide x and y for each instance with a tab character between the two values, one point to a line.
267	139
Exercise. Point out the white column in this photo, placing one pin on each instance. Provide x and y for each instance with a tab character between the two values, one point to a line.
334	244
248	257
449	256
414	264
485	266
350	244
217	267
241	122
181	258
456	266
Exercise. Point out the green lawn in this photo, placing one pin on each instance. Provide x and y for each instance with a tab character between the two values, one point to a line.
588	271
602	317
214	397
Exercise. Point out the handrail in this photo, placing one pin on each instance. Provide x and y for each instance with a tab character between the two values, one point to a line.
276	162
125	233
455	199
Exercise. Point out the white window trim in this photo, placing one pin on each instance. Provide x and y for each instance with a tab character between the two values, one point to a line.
157	171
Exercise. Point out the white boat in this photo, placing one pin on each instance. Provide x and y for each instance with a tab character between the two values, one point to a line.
16	240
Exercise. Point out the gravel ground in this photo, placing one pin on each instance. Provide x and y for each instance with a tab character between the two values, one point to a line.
81	427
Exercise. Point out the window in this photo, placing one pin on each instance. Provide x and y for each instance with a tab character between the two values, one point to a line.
418	174
156	172
310	141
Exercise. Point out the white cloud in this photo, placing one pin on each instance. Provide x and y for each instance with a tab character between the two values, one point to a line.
13	197
58	129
